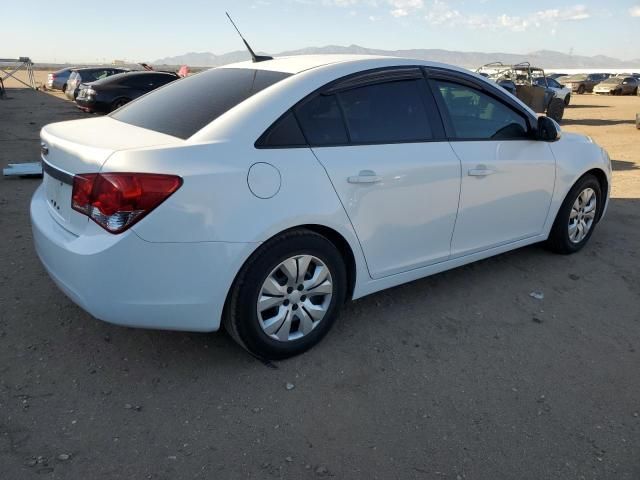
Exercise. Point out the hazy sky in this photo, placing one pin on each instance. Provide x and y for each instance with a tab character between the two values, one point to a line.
99	30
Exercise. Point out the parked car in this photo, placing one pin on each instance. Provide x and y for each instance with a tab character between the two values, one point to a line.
583	83
84	75
261	196
58	79
555	76
618	86
530	85
109	94
560	90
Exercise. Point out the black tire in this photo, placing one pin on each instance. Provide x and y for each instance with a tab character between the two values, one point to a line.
559	240
567	100
119	103
635	91
581	89
555	109
64	88
240	317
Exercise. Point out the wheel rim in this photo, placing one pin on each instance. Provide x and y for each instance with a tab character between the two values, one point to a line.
294	298
582	216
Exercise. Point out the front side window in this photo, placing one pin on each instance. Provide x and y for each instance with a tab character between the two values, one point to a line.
388	112
189	104
475	115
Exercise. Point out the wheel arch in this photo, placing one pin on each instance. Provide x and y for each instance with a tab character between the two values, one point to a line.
336	238
601	176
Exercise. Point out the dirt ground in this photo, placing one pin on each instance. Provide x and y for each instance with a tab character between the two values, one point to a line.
462	375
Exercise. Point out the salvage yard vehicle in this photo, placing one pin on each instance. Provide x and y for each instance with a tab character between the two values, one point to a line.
299	183
110	93
529	84
583	83
560	90
58	79
619	85
85	75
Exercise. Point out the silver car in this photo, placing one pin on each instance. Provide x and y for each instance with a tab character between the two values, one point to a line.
58	80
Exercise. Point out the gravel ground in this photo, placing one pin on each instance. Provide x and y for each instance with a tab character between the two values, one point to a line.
463	375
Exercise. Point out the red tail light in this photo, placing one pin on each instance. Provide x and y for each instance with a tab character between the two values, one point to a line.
116	201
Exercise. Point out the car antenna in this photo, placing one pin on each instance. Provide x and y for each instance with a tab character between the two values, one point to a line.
254	58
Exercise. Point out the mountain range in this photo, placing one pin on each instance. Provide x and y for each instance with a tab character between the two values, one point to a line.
542	58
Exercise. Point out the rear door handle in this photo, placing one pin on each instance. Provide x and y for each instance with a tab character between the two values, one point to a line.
365	176
481	171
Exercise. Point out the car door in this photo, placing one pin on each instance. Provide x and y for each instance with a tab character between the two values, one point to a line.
507	177
381	141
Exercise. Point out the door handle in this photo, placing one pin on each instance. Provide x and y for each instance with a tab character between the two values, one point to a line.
480	171
365	176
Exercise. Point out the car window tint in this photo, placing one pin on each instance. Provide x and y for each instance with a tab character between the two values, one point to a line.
552	83
188	105
285	132
476	115
386	112
321	121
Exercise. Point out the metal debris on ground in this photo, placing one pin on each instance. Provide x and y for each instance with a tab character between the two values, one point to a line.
32	169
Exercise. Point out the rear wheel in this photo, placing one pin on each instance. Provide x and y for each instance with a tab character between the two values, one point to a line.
581	89
119	103
64	88
567	100
555	110
287	296
577	217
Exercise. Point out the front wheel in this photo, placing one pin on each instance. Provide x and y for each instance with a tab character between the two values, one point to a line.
577	217
567	100
555	109
581	89
287	296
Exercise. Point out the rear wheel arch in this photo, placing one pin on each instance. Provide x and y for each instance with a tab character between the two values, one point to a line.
332	235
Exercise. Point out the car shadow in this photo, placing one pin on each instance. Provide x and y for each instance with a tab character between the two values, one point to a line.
593	122
572	106
622	165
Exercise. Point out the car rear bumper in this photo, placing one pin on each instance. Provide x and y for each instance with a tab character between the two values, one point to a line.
91	105
128	281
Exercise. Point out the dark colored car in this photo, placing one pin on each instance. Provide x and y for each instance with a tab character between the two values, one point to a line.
58	80
85	75
109	94
583	83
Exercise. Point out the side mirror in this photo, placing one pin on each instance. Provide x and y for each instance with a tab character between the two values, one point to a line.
548	130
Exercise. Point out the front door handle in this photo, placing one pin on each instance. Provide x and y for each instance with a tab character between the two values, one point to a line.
480	171
365	176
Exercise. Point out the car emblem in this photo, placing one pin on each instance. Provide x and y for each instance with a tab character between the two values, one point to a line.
44	149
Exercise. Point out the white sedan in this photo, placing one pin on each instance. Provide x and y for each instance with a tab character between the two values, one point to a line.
261	196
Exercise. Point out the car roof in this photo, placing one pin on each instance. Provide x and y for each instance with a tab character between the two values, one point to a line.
135	73
89	69
299	63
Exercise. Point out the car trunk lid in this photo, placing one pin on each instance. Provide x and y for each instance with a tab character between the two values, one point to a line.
83	146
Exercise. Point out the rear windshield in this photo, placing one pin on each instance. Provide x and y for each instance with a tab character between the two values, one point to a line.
185	106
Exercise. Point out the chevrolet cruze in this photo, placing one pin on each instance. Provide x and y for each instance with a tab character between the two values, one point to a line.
261	196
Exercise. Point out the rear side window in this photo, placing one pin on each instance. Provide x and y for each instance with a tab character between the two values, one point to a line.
321	121
475	115
188	105
285	132
387	112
